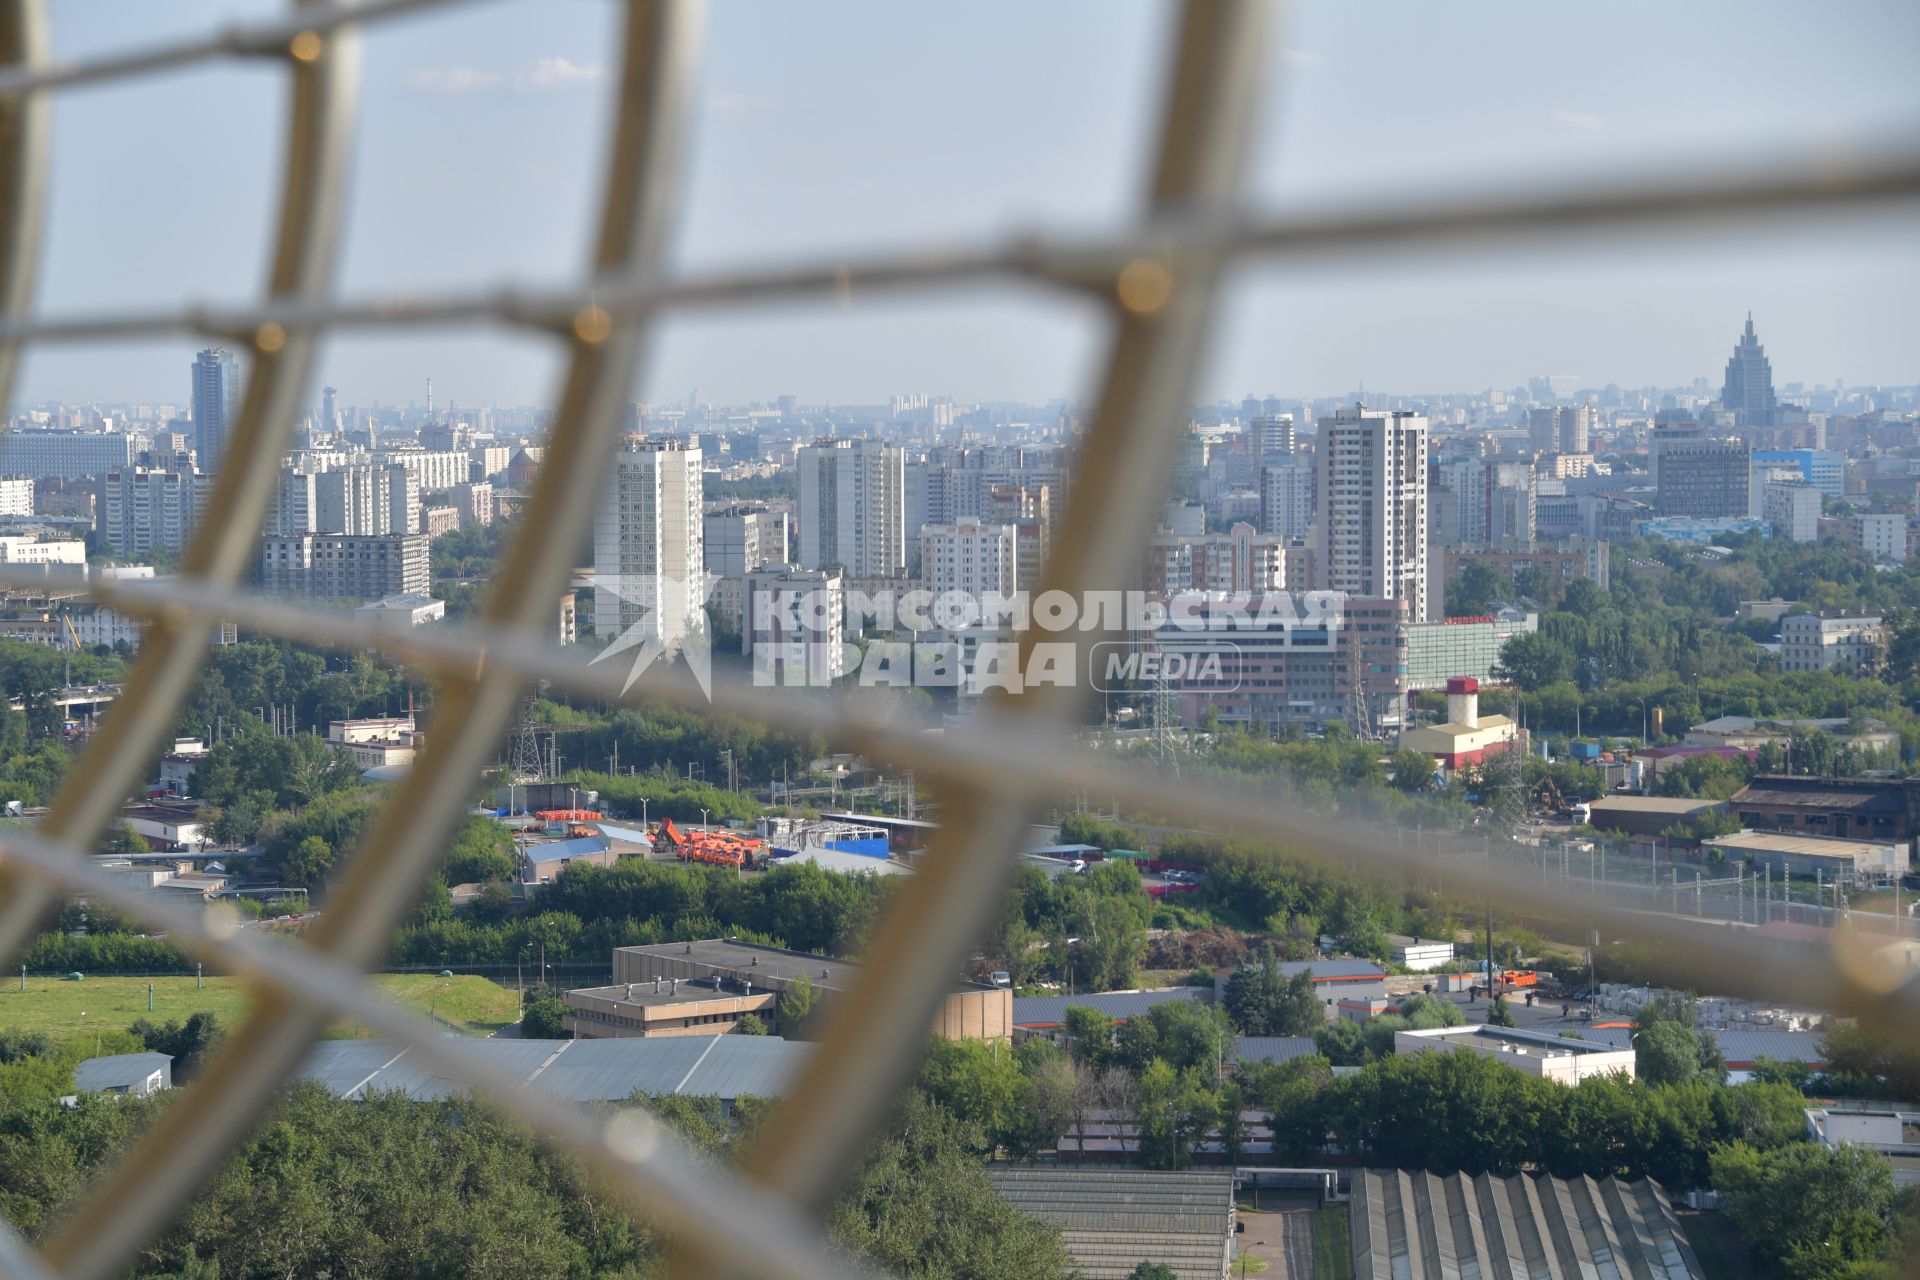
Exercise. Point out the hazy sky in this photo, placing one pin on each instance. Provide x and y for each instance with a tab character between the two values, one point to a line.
851	126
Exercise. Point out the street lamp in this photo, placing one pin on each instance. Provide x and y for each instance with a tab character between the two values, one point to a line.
703	817
573	797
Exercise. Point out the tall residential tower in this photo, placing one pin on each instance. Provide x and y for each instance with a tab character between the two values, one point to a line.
1372	521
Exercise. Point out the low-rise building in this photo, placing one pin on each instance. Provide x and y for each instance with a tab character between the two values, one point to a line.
1832	859
1419	954
546	860
1466	737
1543	1054
404	612
695	988
1648	815
135	1075
1747	733
1412	1223
376	742
1885	809
1849	643
1112	1220
1893	1133
168	828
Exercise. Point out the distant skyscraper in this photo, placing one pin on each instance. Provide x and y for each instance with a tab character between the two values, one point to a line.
216	398
1274	432
1748	393
329	410
649	546
853	510
1373	507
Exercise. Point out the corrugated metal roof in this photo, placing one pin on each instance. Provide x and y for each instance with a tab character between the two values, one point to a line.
117	1071
1051	1011
1816	793
578	847
1113	1220
626	835
1403	1224
726	1066
1272	1048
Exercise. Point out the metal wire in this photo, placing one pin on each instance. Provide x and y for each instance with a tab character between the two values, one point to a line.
1158	281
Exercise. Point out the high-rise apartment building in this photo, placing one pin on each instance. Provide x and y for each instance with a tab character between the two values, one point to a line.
140	510
970	557
340	566
216	400
1273	435
1286	499
1792	511
295	507
366	500
1566	428
1372	522
743	537
853	507
1240	560
1698	475
1028	510
1748	391
474	502
794	625
649	560
16	496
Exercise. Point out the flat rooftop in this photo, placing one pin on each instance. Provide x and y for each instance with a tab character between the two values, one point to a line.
1518	1041
752	959
1818	846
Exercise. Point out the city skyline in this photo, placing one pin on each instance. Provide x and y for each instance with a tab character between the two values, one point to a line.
793	158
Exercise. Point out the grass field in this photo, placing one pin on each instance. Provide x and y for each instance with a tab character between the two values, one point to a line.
75	1012
1331	1259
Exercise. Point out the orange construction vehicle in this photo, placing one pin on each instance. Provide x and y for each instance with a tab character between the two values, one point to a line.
569	815
714	848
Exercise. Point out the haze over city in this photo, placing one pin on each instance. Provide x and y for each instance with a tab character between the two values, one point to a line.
850	128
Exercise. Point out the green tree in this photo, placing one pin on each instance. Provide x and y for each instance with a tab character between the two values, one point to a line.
544	1019
1499	1015
127	842
795	1007
1153	1271
1809	1211
1413	771
923	1206
1535	661
749	1024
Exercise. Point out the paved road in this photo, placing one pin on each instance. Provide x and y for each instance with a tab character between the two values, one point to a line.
1283	1240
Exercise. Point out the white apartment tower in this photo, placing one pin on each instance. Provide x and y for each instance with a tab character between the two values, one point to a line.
853	510
970	557
648	545
1372	530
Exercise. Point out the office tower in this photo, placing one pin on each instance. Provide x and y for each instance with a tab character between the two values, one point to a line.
1286	499
329	410
64	455
853	507
743	537
1273	433
1372	526
1748	391
969	557
649	562
1699	475
216	399
1824	469
1510	502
